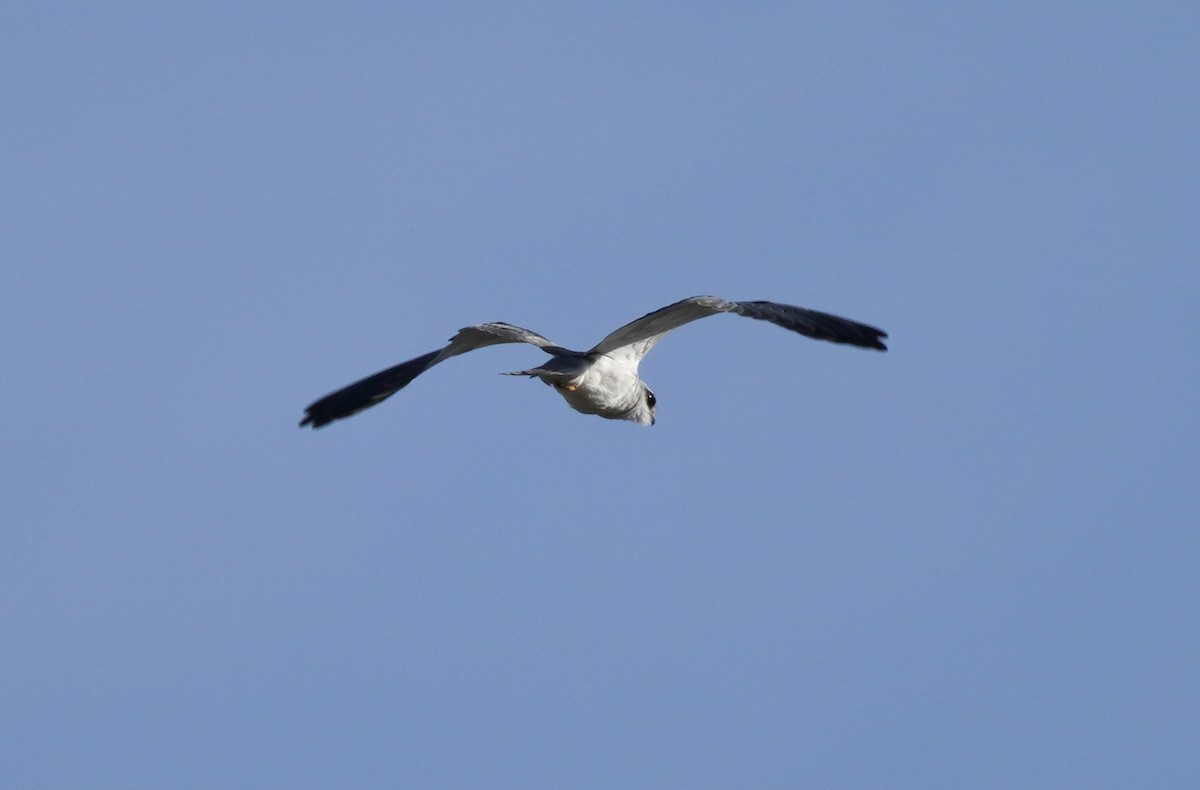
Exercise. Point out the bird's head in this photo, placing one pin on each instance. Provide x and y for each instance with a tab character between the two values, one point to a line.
643	413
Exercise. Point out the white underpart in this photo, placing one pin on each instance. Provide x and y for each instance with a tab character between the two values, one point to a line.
610	387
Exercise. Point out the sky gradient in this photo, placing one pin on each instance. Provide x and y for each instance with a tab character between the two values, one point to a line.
969	562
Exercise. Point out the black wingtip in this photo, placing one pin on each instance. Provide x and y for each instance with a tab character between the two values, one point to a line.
310	420
813	323
314	416
365	393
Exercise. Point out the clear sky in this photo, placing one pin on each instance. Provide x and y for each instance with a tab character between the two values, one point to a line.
972	561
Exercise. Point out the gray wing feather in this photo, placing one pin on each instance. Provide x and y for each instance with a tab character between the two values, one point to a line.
473	337
377	387
638	337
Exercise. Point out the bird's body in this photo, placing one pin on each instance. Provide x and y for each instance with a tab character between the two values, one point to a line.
608	387
604	380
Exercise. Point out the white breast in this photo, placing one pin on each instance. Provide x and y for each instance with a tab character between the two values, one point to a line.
610	388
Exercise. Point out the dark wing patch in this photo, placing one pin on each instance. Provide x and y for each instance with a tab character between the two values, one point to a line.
639	336
365	393
812	323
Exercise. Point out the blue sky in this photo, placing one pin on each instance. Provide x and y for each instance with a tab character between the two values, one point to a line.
968	562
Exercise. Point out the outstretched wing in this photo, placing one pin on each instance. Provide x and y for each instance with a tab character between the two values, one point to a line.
367	392
638	337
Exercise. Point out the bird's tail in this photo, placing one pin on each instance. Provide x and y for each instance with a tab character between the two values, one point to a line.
547	376
365	393
557	368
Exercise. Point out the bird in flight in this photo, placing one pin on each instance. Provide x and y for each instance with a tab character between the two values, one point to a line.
603	380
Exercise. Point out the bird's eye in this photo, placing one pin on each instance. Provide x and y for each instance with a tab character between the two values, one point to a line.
650	399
